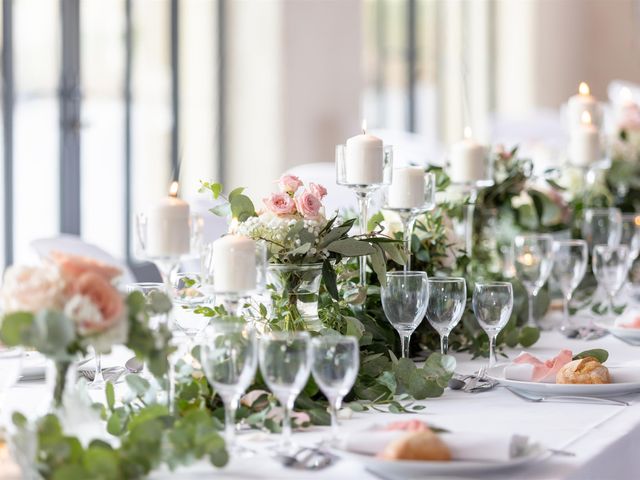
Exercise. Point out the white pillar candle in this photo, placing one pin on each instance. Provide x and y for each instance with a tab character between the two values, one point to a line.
584	144
582	102
468	160
234	264
168	227
407	188
364	159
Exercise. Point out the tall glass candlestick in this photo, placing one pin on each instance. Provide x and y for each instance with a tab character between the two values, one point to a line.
364	165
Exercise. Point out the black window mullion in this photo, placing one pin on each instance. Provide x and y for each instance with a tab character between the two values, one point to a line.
411	64
128	40
175	89
7	116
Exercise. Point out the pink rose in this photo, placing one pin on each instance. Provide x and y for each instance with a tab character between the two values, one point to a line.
318	190
280	204
31	289
289	184
95	305
308	205
73	266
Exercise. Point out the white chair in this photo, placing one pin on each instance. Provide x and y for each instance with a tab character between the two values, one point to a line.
74	245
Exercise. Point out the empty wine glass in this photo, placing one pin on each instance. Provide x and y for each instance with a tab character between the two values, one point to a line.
285	365
188	293
150	291
334	362
404	300
492	305
533	260
229	358
610	267
570	260
602	226
447	300
630	235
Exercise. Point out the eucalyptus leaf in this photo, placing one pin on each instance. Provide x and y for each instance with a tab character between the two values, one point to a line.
351	248
598	353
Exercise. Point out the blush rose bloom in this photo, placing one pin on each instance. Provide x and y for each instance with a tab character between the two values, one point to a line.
318	190
72	266
308	205
289	184
95	305
31	289
280	204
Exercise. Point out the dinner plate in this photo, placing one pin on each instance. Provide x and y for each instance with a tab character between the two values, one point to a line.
406	468
631	334
625	380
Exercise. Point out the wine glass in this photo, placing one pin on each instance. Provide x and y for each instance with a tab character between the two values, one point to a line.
447	300
188	293
602	226
229	358
150	290
570	260
334	362
492	305
533	261
285	363
610	267
630	235
404	300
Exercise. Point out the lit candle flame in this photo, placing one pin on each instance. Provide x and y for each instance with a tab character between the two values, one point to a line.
364	126
637	221
527	259
467	132
583	89
173	189
585	118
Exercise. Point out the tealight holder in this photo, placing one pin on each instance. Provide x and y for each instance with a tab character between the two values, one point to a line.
470	189
233	299
409	215
364	190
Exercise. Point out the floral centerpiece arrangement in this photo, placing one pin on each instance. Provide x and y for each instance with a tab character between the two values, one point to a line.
70	303
303	244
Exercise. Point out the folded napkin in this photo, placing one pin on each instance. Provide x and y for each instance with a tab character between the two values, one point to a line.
527	368
630	319
463	446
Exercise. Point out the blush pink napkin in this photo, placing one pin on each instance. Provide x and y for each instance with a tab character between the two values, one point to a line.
545	371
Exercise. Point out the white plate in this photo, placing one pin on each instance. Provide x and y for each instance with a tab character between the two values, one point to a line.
419	468
625	379
632	334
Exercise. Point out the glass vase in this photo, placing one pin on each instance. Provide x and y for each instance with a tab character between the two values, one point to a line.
297	289
60	377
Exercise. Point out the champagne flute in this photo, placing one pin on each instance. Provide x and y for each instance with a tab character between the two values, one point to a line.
610	267
492	305
533	260
404	300
447	300
229	358
334	362
602	226
285	365
570	259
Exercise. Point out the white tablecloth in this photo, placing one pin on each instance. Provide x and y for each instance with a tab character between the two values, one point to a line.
604	438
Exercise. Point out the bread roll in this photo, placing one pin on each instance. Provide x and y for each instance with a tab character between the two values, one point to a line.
424	445
586	370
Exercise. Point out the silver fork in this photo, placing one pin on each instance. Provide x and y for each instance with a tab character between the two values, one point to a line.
569	398
473	383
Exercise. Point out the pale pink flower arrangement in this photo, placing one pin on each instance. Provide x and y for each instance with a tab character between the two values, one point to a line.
296	199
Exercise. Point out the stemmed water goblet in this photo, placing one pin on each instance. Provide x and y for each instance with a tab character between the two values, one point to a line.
188	293
229	358
334	362
492	305
610	267
445	307
285	363
404	300
602	226
411	194
533	261
570	260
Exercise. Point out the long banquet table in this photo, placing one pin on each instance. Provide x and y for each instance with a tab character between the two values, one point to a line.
604	438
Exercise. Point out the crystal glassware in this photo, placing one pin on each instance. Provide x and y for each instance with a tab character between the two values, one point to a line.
570	260
610	267
149	290
630	235
533	261
409	210
602	226
492	305
446	304
188	292
334	362
285	363
404	300
229	358
364	189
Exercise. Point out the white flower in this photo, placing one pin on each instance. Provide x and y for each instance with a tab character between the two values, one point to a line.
30	289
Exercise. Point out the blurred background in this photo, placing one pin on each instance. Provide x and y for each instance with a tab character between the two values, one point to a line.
105	102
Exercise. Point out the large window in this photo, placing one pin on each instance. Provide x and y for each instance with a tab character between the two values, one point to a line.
108	102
